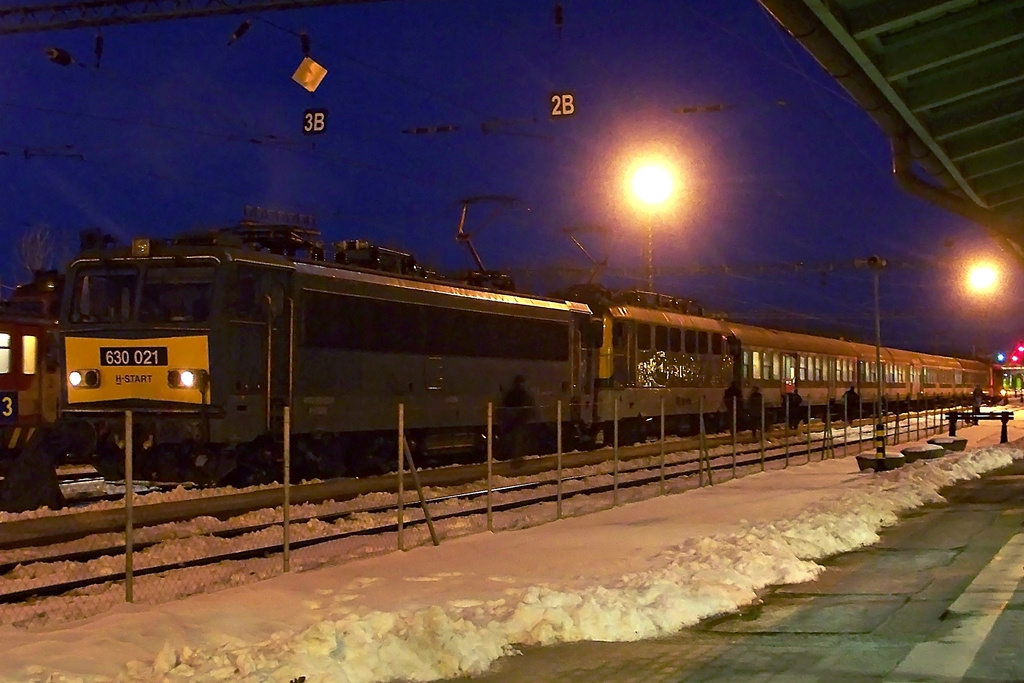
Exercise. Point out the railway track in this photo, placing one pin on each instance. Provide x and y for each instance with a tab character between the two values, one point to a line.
573	485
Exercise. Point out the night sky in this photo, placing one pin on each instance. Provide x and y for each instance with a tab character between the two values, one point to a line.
176	130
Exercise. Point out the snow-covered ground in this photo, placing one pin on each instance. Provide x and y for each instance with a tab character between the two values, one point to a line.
635	571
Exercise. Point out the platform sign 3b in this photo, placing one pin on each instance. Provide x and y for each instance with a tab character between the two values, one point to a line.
8	407
314	121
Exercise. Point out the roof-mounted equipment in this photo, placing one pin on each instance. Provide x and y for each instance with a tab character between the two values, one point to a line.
280	232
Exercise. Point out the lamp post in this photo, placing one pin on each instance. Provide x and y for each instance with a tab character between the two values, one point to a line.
651	183
876	263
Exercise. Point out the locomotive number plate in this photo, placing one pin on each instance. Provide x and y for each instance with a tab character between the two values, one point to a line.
8	407
128	356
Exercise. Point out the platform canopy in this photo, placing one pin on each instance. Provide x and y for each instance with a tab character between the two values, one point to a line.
944	79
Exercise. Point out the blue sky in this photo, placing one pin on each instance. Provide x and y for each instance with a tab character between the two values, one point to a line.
176	130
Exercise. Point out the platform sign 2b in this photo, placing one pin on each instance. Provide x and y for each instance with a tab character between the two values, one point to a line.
8	407
562	104
314	121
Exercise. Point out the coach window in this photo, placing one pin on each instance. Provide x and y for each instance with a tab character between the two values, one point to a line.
766	365
28	355
802	376
757	365
675	340
661	338
690	338
702	342
5	353
746	364
643	337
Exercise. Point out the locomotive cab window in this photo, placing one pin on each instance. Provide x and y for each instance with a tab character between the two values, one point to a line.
5	353
177	294
618	335
104	294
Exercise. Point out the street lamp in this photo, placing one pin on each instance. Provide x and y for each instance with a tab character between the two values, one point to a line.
982	278
652	183
876	264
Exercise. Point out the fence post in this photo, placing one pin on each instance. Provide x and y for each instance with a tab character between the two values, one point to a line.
401	475
846	426
286	515
704	455
734	411
490	463
615	455
785	431
808	432
129	539
762	435
826	441
558	500
661	476
896	430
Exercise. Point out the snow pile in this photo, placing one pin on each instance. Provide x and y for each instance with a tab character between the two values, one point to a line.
699	578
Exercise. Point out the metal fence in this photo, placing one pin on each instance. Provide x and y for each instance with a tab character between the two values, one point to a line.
297	528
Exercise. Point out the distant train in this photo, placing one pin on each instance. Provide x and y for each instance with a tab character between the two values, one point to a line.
207	337
30	378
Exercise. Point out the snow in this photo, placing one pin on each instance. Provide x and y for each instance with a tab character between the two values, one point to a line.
640	570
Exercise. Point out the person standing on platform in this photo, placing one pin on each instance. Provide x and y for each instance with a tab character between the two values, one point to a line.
755	407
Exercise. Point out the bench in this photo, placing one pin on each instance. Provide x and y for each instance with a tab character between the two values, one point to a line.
1003	415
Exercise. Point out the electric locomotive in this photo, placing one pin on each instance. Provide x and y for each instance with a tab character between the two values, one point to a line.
207	337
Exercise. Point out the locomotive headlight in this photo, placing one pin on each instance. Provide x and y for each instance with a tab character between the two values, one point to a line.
186	379
89	379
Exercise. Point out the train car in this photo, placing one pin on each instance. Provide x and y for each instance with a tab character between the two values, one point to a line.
206	338
29	374
650	353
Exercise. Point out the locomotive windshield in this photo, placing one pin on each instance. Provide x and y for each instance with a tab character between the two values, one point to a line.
167	294
104	295
176	294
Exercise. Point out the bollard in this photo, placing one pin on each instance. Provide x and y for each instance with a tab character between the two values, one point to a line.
953	418
128	494
1005	418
